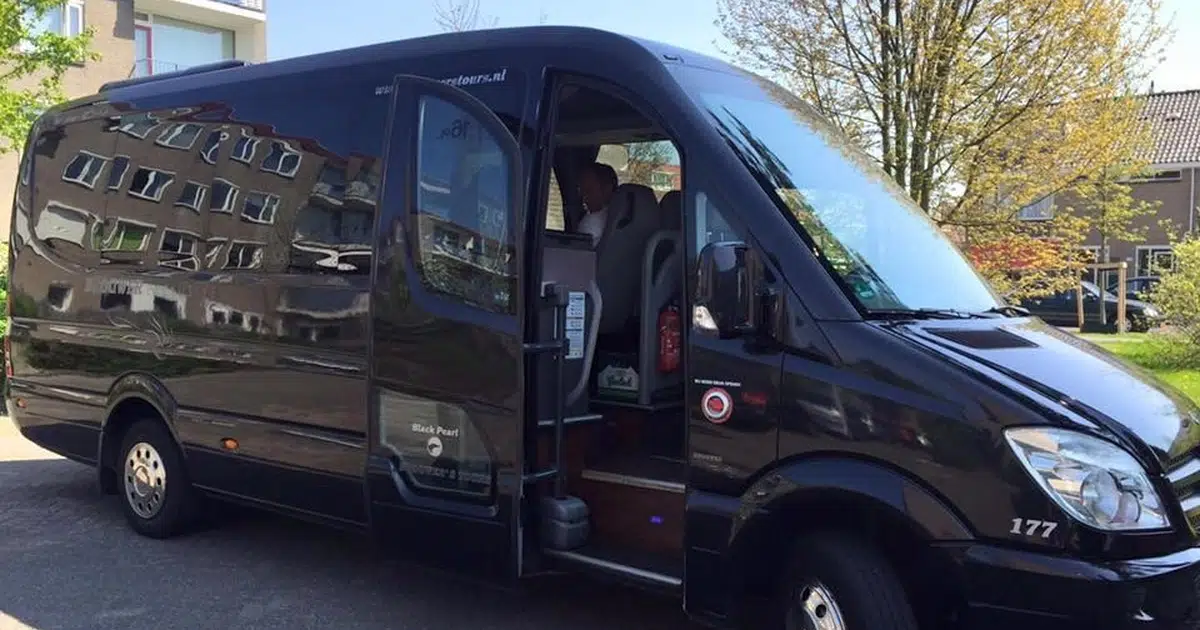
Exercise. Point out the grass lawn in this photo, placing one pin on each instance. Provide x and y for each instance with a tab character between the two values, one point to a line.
1156	354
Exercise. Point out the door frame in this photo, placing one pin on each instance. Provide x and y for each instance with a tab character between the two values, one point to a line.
444	520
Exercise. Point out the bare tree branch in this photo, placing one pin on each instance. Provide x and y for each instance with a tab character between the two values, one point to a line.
461	15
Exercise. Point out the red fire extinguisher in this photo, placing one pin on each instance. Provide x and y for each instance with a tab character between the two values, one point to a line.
668	339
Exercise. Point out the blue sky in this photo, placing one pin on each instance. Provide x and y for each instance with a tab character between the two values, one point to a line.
300	27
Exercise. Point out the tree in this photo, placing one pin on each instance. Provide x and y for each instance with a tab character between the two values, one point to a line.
976	107
32	65
1109	208
461	15
644	159
1177	293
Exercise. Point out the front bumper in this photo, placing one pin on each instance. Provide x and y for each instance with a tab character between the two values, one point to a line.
1007	588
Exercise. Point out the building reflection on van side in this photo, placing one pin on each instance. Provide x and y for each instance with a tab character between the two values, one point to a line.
129	207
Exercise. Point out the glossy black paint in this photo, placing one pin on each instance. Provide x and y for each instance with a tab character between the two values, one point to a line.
1006	587
906	416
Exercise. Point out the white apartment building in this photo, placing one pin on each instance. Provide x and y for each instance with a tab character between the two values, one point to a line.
143	37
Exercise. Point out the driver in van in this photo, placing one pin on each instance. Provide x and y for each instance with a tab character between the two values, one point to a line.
597	183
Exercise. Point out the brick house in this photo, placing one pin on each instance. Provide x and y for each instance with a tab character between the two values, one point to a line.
1173	180
145	37
143	200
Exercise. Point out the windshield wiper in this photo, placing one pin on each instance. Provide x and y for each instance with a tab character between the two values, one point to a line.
922	313
1009	310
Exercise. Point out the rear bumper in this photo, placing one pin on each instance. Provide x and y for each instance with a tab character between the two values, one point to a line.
1006	587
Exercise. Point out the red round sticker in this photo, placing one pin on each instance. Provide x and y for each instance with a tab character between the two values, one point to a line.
716	405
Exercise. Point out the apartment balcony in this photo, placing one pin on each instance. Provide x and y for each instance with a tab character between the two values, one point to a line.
148	67
253	5
246	19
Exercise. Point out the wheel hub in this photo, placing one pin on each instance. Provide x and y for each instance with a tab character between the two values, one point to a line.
145	480
815	608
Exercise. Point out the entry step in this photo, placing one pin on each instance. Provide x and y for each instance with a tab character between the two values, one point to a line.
648	569
651	472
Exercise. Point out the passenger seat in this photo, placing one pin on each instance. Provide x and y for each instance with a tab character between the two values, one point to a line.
662	270
633	216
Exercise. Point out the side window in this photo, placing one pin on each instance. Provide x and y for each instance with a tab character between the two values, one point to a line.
654	164
554	206
464	219
710	225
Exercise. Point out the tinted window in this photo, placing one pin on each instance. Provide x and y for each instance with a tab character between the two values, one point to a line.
464	216
886	250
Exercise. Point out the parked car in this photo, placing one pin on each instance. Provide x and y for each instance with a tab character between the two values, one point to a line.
1135	288
1061	309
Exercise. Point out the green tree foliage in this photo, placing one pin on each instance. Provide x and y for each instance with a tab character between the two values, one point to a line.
33	63
1178	292
977	108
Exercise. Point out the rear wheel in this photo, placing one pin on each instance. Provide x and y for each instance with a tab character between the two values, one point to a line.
835	582
156	494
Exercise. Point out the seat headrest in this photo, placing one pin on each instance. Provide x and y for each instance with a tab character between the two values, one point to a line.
671	208
627	201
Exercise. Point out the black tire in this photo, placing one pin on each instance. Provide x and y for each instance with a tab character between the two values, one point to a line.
863	585
177	504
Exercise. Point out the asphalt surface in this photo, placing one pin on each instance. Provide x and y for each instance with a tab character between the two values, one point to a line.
67	560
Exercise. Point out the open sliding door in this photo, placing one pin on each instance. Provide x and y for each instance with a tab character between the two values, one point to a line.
443	475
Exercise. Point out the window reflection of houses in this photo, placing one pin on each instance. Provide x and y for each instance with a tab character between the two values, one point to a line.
162	195
334	227
319	314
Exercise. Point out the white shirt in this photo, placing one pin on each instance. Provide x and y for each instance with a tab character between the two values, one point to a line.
593	223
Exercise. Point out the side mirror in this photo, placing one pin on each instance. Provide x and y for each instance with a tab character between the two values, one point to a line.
728	290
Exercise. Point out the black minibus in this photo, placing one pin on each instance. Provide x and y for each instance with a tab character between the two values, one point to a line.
547	299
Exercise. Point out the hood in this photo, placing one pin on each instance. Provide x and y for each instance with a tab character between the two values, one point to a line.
1124	398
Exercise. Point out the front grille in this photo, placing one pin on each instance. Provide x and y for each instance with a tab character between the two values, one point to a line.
1185	484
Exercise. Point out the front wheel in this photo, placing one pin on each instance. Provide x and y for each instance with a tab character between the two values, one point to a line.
835	582
156	494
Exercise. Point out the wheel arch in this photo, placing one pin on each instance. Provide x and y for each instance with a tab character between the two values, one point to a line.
132	397
871	500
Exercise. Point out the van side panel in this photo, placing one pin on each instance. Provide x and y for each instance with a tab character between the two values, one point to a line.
227	256
54	330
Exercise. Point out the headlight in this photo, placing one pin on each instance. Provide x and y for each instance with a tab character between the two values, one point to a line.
1095	481
1150	312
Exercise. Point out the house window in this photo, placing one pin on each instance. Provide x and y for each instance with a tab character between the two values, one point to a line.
84	169
112	301
180	136
166	306
212	145
178	249
244	148
244	256
1157	176
192	195
281	160
1040	210
260	207
116	174
127	236
57	222
1152	260
59	297
138	126
65	19
224	195
212	251
150	183
659	179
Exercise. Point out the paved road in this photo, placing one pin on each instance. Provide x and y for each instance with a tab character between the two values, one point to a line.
68	561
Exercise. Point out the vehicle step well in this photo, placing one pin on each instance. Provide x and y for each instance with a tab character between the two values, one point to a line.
645	569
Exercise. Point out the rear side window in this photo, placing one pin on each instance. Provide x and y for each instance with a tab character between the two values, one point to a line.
465	221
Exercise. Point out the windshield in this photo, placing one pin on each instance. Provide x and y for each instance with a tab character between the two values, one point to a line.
1091	288
888	253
